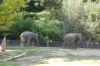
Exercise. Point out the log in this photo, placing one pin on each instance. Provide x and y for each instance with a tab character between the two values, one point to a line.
15	57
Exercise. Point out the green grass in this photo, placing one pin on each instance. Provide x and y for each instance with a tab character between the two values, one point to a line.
70	57
41	51
7	64
33	50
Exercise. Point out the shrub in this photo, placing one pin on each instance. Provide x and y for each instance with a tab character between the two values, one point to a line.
21	25
82	17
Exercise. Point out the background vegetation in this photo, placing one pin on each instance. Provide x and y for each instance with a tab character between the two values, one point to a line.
50	19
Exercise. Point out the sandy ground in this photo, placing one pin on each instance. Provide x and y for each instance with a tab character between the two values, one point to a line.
61	62
80	52
58	59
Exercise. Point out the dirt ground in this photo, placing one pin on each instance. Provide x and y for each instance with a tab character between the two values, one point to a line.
62	57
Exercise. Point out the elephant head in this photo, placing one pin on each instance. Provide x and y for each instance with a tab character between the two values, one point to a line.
28	37
72	40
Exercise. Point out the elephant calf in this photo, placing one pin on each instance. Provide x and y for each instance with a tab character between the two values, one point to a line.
72	40
28	37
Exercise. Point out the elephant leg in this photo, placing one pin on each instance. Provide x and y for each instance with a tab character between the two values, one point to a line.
75	45
68	45
31	42
22	42
78	39
37	42
64	44
28	41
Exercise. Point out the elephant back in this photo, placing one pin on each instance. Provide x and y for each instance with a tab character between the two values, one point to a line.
69	37
26	33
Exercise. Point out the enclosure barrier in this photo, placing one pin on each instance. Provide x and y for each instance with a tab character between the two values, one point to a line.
56	44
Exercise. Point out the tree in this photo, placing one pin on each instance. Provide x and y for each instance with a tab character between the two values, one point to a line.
47	27
81	17
8	11
34	6
20	26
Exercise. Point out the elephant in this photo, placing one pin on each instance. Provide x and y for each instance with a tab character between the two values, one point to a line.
72	40
28	37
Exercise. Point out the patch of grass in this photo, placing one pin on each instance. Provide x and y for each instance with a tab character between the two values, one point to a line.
34	51
44	53
37	50
4	64
70	57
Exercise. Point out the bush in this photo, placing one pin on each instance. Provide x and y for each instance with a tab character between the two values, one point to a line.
21	25
44	27
82	17
48	28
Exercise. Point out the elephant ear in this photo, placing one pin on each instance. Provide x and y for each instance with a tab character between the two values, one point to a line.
78	37
35	35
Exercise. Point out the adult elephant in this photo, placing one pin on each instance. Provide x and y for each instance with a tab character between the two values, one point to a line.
28	38
72	40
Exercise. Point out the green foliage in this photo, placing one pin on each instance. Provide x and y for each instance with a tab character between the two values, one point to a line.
82	18
8	11
53	7
49	28
44	26
35	6
21	25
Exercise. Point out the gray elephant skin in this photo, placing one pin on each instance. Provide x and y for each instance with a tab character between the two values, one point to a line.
72	40
28	37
